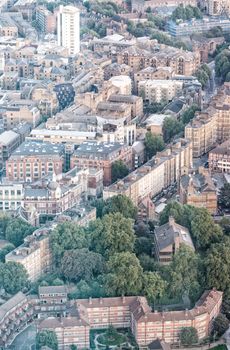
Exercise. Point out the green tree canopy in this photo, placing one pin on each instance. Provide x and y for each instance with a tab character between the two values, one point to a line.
153	286
17	230
80	264
204	230
4	221
184	272
13	277
217	265
173	209
124	274
171	127
189	113
119	170
67	236
188	336
112	234
186	13
153	144
46	338
119	204
5	250
220	325
224	196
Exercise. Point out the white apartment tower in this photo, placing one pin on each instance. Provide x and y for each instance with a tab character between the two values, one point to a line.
68	28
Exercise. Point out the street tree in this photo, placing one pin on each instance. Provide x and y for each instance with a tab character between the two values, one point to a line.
119	170
153	144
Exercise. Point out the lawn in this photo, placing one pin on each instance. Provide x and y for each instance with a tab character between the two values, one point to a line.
220	347
111	339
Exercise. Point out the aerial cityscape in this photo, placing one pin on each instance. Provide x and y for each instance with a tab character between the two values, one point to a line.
114	174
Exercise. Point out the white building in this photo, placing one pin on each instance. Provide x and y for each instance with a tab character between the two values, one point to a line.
68	28
159	90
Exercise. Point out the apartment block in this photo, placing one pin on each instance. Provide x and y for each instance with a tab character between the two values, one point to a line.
33	160
211	126
161	171
14	315
101	155
34	254
151	73
135	313
19	111
159	90
219	158
181	62
46	20
199	190
11	196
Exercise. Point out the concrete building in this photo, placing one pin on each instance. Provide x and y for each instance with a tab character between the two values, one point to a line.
46	20
159	90
33	160
199	190
68	28
62	136
168	238
101	155
198	26
219	158
11	196
160	172
34	254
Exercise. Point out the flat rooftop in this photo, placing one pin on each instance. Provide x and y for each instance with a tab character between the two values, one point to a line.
90	147
33	148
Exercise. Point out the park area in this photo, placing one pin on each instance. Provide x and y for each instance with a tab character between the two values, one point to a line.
112	339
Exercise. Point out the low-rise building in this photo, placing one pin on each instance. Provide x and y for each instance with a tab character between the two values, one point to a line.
34	254
168	238
135	102
101	155
199	190
154	123
219	158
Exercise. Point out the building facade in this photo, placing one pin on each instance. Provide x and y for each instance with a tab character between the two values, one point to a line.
219	158
101	155
68	28
33	160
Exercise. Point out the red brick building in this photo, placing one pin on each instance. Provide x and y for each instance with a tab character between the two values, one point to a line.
33	160
101	155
